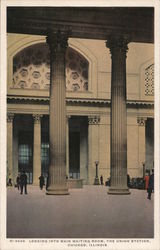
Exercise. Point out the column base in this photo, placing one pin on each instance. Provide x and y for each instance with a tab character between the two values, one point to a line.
96	181
118	191
57	191
35	184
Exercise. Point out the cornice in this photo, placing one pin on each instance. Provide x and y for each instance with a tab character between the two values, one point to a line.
77	101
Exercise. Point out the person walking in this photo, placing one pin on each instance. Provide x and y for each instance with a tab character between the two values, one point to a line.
23	182
18	181
41	182
150	185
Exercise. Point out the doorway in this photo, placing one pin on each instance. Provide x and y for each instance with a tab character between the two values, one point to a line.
74	155
25	154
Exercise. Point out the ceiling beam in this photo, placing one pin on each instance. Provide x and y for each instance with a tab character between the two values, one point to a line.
91	23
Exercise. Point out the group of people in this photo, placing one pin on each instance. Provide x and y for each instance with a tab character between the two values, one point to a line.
21	182
149	182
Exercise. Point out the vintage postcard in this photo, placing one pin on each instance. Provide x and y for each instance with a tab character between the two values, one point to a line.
79	124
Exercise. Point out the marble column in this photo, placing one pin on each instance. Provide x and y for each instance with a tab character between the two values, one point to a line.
118	48
67	145
57	114
93	151
37	149
10	117
141	143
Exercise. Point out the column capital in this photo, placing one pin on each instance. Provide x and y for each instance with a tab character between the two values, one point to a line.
57	41
68	117
10	117
117	43
93	120
37	118
141	121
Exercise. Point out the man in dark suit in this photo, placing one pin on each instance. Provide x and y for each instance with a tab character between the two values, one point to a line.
41	182
23	182
150	185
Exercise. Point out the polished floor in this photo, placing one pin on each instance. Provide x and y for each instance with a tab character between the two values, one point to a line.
85	213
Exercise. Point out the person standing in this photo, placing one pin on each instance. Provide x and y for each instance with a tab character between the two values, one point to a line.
146	178
128	180
101	179
9	180
47	182
41	182
150	185
23	182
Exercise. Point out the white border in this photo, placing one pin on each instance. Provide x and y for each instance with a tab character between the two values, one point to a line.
154	244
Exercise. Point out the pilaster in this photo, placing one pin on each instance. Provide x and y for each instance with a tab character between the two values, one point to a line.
10	117
141	121
84	152
93	149
15	153
37	149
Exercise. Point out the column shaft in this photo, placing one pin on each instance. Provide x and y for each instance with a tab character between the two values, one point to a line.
57	111
37	149
118	48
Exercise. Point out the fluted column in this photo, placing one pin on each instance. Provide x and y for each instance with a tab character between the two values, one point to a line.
141	143
93	153
57	114
67	145
10	117
118	48
37	149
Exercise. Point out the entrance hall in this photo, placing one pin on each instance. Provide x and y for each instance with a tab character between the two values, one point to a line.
61	76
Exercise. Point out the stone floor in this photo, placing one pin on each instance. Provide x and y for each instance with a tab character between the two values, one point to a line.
85	213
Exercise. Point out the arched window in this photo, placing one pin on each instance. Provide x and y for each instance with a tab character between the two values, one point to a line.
31	69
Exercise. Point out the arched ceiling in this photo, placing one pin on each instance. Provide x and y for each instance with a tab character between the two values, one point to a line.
31	69
84	22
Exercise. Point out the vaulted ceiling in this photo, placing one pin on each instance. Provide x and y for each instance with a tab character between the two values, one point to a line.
84	22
